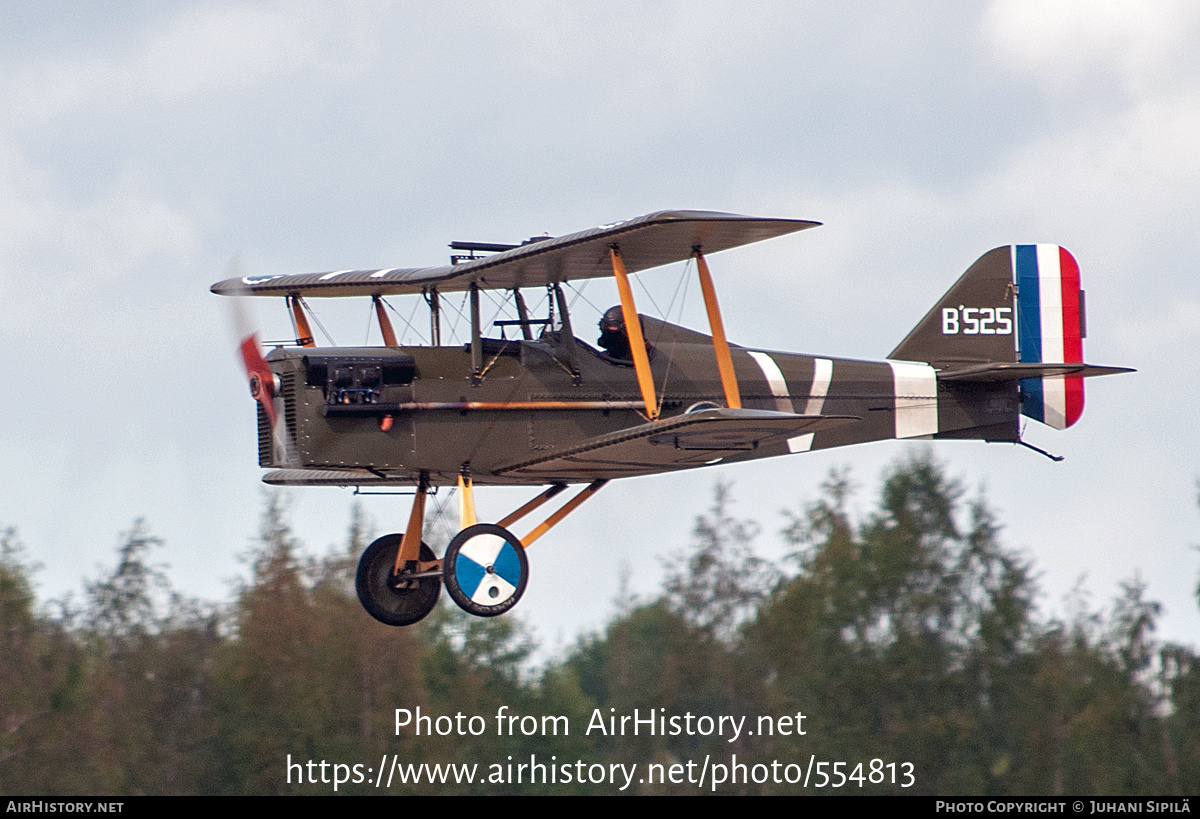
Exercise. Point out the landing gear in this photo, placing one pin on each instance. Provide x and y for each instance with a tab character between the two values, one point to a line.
485	569
397	598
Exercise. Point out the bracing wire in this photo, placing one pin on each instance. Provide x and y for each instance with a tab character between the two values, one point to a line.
316	319
578	291
684	281
650	296
440	507
460	315
537	308
500	305
579	294
408	325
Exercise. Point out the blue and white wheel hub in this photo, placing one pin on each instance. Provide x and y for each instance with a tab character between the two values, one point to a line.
485	569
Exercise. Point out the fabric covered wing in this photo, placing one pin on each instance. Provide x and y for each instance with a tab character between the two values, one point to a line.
647	241
333	477
678	443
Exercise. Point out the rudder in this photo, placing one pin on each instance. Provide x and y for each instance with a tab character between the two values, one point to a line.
1050	318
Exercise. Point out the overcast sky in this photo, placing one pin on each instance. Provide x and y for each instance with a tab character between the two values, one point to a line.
143	144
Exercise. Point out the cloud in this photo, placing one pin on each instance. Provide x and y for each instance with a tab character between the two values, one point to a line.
205	51
73	220
53	249
1062	43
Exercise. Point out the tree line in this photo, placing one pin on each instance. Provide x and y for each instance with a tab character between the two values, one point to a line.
909	634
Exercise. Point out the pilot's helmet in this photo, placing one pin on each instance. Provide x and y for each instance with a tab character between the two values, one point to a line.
613	320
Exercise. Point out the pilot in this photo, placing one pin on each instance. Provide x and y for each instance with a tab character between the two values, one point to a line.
614	340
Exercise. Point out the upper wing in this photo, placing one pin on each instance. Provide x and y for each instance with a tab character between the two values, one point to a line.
687	441
645	242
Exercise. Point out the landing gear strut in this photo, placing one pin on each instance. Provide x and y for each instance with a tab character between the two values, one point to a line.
485	569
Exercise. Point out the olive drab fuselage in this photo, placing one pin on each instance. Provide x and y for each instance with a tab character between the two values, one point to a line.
441	442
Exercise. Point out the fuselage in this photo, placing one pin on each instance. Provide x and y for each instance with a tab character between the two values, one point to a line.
336	400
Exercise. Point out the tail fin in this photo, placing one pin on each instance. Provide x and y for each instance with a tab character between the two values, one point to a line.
1021	305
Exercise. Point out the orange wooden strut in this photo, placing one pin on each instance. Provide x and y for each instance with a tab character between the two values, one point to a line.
304	336
466	503
733	398
633	328
385	324
410	545
498	406
567	508
533	504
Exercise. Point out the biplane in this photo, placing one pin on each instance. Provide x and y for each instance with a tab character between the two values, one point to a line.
547	410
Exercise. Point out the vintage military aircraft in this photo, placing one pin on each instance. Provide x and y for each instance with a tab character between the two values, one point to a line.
548	409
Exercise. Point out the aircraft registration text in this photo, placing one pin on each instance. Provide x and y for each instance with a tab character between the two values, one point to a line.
982	321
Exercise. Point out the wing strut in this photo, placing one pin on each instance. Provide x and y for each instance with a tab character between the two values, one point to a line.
567	335
435	316
476	339
633	326
733	398
385	324
523	312
304	336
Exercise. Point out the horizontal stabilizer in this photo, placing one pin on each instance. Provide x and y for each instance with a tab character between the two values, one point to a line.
647	241
682	442
1015	371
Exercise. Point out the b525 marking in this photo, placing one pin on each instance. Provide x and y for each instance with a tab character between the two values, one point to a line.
981	321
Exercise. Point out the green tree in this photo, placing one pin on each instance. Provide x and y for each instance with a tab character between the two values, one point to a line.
306	673
902	634
719	582
150	655
680	653
40	678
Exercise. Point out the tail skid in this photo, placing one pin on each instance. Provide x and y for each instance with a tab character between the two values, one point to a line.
1040	451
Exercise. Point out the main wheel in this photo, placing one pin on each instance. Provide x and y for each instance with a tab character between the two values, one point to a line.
387	596
485	569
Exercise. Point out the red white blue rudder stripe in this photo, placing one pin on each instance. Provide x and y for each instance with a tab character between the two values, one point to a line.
1049	331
